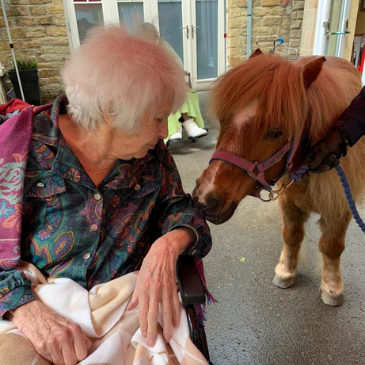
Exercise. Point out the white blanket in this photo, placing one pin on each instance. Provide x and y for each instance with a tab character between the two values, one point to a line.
114	332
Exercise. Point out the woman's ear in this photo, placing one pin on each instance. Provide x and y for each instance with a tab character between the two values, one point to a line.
108	118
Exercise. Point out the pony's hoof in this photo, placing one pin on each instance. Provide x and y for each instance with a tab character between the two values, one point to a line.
287	283
331	300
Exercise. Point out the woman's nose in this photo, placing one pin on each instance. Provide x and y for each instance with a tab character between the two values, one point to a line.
163	131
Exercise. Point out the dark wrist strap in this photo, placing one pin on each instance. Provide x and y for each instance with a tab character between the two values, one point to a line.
344	140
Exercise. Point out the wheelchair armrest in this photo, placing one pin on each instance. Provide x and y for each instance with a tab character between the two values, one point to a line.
189	282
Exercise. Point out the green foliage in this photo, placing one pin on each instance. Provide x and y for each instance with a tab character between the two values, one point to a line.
26	64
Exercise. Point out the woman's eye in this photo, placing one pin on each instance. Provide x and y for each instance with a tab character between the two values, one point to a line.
274	134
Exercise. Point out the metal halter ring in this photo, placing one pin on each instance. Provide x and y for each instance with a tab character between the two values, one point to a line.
278	192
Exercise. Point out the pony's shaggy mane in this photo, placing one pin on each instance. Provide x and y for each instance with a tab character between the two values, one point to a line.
283	100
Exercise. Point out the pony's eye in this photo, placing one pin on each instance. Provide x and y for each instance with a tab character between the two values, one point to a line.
274	134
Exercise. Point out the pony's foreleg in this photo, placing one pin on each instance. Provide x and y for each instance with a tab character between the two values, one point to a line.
331	245
293	234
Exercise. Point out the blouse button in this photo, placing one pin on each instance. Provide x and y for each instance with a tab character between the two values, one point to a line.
87	256
94	227
97	196
40	185
137	187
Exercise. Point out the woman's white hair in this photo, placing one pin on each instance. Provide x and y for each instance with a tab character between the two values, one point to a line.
124	75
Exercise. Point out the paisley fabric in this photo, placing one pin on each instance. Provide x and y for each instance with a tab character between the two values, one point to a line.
71	228
14	142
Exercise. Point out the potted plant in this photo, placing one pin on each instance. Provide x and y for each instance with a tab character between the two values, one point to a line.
28	72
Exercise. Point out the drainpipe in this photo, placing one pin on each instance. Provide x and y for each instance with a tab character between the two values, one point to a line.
249	28
225	35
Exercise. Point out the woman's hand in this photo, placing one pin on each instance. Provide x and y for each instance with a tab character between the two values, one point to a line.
56	339
156	284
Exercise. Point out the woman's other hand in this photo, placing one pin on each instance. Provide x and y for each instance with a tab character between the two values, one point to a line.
55	338
156	284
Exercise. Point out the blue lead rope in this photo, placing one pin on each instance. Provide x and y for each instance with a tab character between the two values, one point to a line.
350	200
297	176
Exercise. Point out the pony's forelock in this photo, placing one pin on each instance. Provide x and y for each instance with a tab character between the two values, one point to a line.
266	78
124	75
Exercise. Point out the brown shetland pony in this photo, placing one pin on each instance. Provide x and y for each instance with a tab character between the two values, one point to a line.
260	105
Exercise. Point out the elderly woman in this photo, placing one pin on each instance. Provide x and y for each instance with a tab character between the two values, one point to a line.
97	196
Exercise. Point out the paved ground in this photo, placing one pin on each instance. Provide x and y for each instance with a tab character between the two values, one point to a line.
254	322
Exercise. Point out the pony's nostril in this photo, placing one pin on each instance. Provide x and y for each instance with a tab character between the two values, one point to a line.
212	204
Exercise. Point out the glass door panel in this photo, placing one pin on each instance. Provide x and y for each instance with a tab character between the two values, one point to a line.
87	16
206	32
191	27
334	26
170	23
131	14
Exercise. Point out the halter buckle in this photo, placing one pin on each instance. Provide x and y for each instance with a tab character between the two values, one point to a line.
274	194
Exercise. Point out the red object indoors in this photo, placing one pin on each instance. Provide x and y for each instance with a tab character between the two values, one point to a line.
361	66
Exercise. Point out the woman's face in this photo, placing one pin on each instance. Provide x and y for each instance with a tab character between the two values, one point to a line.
126	146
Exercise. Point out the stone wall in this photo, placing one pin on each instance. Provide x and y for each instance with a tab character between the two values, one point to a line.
271	19
309	27
38	31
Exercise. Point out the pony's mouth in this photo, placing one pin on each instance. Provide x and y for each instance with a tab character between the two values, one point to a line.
219	218
214	207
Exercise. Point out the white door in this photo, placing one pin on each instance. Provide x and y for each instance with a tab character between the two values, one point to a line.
331	30
194	28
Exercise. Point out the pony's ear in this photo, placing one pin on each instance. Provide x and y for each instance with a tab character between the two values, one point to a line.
256	53
312	70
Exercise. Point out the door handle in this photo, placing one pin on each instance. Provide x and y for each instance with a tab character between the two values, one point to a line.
187	31
343	32
326	25
193	28
346	31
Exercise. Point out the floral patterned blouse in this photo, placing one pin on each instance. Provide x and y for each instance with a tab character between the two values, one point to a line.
71	228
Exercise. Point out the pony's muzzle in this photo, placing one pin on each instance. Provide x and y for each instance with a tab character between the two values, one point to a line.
211	204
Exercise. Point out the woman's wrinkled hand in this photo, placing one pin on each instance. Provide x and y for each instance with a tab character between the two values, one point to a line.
156	284
55	338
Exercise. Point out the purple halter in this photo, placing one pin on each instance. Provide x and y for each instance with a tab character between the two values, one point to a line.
242	163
